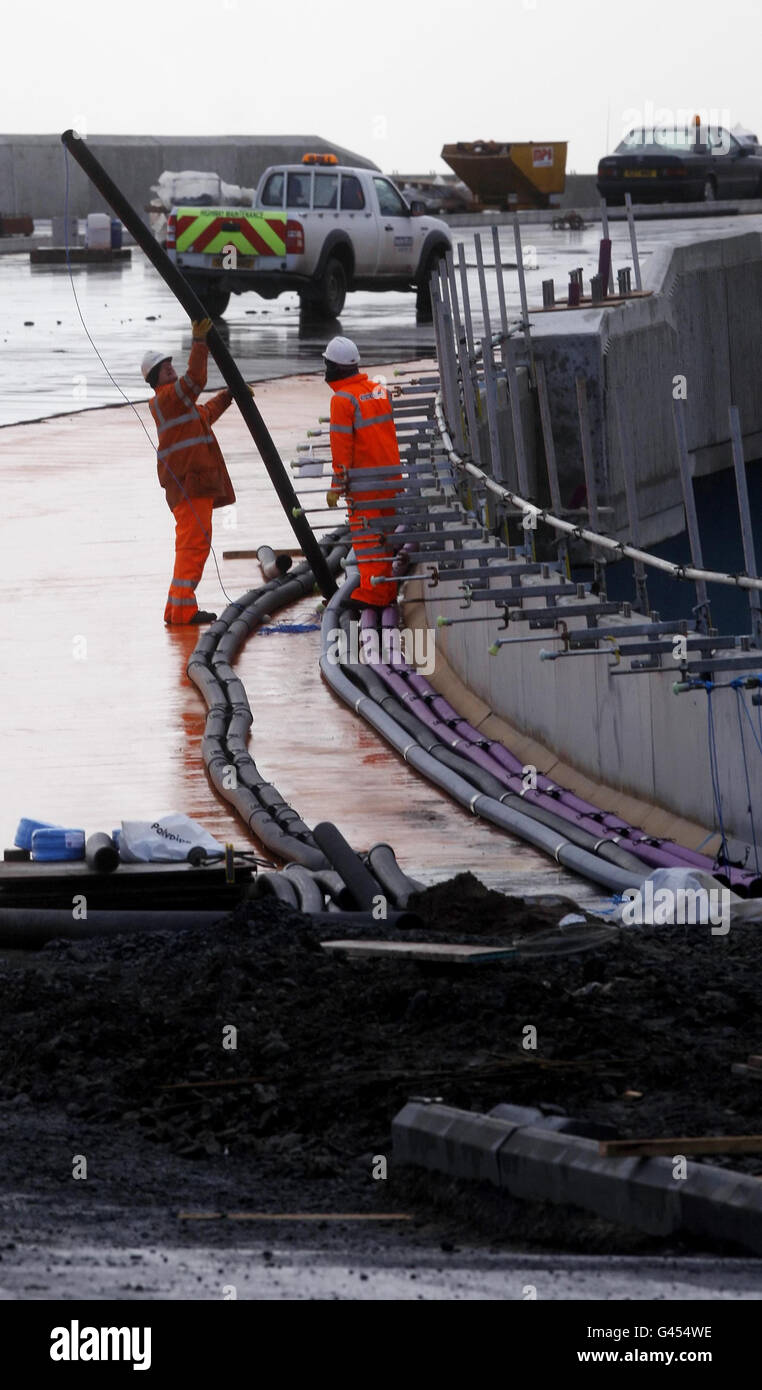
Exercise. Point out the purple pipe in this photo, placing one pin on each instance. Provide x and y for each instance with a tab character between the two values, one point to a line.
481	757
437	714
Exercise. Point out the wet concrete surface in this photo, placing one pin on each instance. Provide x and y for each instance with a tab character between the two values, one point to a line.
49	367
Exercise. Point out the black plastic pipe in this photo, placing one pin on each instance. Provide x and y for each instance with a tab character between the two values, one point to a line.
359	880
194	308
101	853
29	928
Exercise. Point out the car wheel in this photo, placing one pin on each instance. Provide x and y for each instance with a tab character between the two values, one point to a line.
327	295
423	294
709	192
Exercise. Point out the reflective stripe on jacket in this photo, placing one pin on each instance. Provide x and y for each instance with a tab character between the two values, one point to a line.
363	435
189	459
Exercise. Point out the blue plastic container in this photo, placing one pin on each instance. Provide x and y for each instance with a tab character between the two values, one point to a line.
116	234
26	829
55	844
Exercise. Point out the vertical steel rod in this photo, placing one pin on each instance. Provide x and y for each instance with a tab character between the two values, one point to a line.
550	454
631	495
588	462
522	470
523	293
500	289
467	371
605	230
633	241
744	511
691	519
462	348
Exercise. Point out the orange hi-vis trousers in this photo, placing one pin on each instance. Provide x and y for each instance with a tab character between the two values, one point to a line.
364	540
193	541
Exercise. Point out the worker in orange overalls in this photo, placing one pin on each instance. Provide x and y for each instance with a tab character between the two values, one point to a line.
362	436
190	466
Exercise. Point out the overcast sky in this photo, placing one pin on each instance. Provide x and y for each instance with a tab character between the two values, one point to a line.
393	81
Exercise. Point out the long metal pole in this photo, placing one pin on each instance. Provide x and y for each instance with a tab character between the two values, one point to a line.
691	518
605	230
742	489
633	241
631	494
588	461
523	294
500	293
194	308
467	367
550	454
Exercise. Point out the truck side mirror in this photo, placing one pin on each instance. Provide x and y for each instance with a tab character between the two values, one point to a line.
417	207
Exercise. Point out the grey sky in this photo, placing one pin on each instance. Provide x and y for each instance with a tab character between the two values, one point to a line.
393	81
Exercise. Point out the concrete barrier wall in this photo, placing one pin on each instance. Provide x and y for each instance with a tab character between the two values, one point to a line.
703	321
32	166
627	731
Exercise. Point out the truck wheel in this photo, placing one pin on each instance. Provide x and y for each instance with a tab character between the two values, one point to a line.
327	294
423	295
214	299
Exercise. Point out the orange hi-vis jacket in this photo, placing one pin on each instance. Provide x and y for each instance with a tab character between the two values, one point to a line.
189	459
363	436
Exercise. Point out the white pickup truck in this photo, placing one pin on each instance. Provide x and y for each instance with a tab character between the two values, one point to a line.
318	228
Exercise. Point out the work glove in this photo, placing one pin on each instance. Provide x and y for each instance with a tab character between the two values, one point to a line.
332	498
201	328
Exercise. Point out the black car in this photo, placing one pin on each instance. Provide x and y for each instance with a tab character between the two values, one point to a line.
668	166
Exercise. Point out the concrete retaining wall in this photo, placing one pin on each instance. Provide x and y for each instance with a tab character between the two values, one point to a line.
627	731
703	322
32	166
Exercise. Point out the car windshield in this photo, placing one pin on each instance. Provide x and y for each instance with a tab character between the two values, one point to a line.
682	139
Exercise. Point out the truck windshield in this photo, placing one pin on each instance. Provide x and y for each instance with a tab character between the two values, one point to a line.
272	196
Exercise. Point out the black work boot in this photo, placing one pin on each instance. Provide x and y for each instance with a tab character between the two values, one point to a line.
202	617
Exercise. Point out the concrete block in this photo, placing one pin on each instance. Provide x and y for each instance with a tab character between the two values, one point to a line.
449	1141
723	1205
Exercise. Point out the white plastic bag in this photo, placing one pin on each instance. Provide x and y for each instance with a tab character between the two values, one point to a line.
166	839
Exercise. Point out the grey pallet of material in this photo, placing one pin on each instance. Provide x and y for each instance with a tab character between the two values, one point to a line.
448	954
533	1163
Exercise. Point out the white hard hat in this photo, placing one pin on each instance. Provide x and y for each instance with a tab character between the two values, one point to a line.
151	360
343	352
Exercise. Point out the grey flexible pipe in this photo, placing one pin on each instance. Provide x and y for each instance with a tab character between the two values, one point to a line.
590	866
225	743
308	892
276	885
383	864
272	565
333	887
